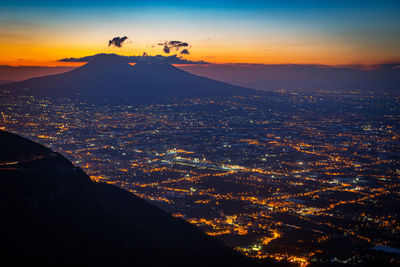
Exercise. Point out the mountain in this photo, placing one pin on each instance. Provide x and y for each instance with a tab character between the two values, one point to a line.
4	82
53	214
110	79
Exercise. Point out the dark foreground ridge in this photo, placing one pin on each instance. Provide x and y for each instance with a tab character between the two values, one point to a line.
110	79
53	214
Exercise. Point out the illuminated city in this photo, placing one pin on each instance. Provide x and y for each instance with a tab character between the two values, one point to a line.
303	177
211	133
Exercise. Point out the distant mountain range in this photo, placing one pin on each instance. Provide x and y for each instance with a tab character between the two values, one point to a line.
110	79
4	82
53	214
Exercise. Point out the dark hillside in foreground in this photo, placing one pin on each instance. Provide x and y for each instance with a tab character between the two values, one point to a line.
53	214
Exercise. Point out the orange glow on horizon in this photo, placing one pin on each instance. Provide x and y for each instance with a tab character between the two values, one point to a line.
38	54
224	61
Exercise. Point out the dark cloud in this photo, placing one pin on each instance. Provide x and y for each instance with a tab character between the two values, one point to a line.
174	59
185	51
178	44
169	46
117	41
166	49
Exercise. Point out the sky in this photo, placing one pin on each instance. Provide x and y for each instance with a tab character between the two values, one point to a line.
335	32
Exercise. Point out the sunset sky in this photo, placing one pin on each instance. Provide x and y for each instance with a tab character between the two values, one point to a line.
268	32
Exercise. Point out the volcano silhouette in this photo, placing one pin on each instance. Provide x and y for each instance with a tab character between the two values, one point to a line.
111	79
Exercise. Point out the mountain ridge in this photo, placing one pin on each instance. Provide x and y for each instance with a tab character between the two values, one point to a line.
110	79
